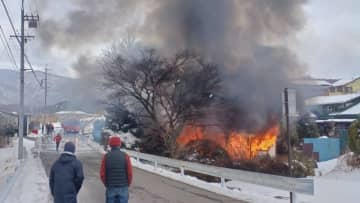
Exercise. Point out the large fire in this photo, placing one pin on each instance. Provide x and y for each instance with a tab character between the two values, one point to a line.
238	145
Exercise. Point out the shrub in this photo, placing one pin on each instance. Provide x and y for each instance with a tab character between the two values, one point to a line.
302	165
354	161
354	137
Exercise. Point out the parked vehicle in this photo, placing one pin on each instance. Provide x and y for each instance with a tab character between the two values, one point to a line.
71	126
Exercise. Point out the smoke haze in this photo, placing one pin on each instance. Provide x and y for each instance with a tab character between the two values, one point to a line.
247	38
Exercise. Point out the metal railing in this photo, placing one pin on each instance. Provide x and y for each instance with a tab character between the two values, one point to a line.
296	185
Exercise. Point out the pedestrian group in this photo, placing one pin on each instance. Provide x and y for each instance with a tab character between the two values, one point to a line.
66	174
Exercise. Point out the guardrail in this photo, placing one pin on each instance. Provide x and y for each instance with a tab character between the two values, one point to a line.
296	185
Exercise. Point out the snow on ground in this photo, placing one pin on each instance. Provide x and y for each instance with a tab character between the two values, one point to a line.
237	190
31	186
326	167
337	183
8	164
334	187
34	135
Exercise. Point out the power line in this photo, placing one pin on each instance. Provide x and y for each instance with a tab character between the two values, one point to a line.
6	43
17	38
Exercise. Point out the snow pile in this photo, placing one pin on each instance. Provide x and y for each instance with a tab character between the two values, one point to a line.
88	123
126	138
8	165
326	167
31	186
34	135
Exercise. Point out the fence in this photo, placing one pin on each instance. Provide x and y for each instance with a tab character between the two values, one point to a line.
328	148
296	185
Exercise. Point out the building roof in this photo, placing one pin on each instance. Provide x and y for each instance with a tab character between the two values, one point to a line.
335	99
315	82
339	120
71	112
354	110
343	82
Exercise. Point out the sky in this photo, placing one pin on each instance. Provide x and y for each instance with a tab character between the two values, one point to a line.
328	45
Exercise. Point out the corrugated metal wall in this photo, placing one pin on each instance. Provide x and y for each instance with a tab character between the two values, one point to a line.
328	148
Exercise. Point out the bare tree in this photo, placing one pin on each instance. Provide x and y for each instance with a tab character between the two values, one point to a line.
164	93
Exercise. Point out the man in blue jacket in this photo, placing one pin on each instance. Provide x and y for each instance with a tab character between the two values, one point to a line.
66	176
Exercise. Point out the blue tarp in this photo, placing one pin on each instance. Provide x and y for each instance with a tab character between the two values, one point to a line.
98	127
328	148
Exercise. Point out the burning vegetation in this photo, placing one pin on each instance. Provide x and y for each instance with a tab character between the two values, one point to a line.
237	145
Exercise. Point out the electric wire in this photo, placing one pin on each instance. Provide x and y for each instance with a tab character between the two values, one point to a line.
17	38
9	50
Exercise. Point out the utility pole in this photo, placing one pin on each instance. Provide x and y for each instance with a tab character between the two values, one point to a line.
46	92
33	22
287	122
289	97
22	70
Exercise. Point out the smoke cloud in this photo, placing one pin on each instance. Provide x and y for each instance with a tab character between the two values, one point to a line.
247	38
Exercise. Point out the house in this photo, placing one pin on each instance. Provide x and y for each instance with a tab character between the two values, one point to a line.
334	114
311	87
326	106
345	86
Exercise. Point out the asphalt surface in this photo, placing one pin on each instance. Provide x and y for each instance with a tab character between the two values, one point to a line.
146	187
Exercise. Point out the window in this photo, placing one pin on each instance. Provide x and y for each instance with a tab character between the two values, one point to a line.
329	109
348	89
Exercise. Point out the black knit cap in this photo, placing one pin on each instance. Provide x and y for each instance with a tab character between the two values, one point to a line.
69	147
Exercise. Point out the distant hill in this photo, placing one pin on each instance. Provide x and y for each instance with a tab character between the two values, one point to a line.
69	92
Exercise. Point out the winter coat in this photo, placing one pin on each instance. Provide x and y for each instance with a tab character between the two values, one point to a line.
116	169
57	138
66	178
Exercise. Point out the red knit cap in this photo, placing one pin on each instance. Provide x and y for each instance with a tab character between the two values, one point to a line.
115	141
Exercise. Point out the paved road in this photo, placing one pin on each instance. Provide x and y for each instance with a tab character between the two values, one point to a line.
147	187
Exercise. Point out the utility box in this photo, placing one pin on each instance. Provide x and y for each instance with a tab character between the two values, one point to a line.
33	24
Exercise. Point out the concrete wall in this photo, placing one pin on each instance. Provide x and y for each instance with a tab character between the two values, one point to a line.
328	148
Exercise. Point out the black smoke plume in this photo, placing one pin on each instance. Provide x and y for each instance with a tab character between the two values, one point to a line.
247	38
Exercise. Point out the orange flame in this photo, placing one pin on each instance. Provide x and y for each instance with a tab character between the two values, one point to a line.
238	145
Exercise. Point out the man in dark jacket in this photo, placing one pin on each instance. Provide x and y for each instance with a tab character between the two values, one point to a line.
66	176
116	173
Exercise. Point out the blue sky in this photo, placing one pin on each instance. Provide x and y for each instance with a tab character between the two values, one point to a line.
329	44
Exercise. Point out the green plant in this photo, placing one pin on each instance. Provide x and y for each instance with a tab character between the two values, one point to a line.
302	165
354	137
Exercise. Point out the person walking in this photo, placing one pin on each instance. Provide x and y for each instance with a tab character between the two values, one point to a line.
66	176
57	140
116	173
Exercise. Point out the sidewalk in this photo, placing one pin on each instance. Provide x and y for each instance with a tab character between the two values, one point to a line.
31	186
8	167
